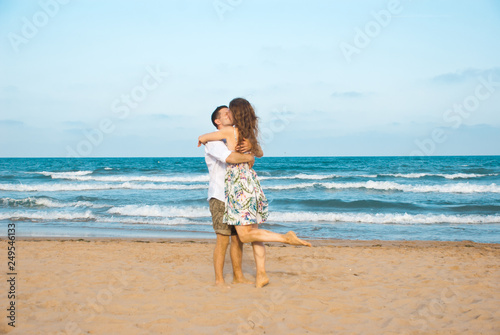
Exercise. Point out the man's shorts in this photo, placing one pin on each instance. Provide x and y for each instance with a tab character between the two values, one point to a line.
217	208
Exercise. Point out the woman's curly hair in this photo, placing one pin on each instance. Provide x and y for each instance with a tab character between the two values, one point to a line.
246	121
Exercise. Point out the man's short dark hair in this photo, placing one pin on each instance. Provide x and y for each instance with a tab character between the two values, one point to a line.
215	115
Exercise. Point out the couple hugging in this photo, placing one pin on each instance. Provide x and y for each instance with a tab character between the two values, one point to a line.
237	203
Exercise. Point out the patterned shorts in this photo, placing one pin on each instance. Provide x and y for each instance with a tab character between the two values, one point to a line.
217	208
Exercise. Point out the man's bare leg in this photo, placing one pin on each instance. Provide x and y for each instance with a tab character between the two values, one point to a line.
249	234
259	253
236	252
219	257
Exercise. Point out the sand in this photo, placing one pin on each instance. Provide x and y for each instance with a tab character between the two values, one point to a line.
111	286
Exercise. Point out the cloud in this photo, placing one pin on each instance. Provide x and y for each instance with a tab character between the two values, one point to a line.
11	123
461	76
349	95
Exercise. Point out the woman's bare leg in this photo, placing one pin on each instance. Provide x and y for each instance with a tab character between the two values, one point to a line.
249	234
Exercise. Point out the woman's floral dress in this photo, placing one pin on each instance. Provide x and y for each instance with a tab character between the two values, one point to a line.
246	203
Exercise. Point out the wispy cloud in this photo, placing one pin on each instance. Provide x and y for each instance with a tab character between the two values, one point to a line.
11	123
464	75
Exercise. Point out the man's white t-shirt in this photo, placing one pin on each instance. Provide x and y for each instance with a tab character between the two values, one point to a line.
216	154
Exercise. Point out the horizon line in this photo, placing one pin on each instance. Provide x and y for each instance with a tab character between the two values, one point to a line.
339	156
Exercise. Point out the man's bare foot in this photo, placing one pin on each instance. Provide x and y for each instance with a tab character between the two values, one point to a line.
242	280
292	239
222	284
261	280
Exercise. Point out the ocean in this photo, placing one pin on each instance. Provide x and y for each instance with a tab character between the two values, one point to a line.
360	198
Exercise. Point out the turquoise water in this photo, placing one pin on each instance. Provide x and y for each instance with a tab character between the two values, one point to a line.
388	198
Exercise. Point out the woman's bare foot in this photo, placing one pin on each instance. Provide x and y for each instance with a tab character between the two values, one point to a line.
292	239
241	280
261	280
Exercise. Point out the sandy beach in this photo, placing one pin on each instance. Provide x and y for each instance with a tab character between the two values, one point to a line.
112	286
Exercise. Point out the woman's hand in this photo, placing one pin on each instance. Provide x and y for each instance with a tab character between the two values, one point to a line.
215	136
201	141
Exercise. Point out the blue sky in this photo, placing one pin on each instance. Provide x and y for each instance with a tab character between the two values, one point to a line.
327	78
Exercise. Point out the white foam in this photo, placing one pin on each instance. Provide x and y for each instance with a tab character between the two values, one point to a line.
304	176
447	176
84	176
45	202
160	211
50	203
410	175
17	202
41	215
94	187
291	186
153	221
179	218
397	175
467	175
392	186
407	175
154	179
173	212
382	218
30	202
70	174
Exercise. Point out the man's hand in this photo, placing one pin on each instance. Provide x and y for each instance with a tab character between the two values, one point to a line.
236	158
246	146
252	162
258	151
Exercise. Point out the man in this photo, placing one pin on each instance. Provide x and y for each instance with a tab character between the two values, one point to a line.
216	157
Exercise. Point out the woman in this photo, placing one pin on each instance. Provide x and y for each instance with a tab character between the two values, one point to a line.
246	204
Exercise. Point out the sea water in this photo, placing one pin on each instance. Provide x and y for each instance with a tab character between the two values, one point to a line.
385	198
